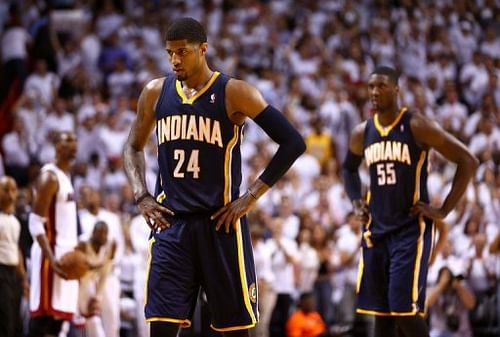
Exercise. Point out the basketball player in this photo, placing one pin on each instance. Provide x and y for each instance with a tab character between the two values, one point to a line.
200	234
53	226
398	228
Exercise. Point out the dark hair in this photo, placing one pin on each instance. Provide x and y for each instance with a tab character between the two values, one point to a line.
387	71
186	29
306	295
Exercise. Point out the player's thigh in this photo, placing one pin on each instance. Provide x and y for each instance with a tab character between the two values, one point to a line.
373	277
228	275
172	283
410	251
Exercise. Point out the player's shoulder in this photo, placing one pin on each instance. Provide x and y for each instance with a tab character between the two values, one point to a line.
359	129
239	86
47	179
244	97
155	85
419	120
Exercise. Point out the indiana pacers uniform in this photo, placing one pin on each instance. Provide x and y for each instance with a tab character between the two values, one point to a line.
200	171
51	295
396	246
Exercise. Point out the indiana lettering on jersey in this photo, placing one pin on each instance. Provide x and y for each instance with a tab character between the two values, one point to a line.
387	151
189	127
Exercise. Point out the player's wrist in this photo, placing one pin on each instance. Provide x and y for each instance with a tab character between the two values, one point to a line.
141	197
252	195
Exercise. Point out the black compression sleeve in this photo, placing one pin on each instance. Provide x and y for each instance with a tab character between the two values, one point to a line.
350	174
291	144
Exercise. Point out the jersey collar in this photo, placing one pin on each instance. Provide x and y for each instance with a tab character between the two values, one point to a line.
385	130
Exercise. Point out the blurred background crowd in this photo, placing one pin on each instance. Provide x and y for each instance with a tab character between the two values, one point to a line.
80	66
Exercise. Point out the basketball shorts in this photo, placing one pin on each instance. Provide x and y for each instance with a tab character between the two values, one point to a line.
393	271
191	254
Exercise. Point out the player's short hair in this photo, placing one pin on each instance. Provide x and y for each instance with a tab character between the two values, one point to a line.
186	29
387	71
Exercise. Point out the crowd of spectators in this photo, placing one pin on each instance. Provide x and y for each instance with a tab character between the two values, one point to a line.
80	66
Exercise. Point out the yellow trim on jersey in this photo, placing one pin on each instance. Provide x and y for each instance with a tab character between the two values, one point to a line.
367	234
227	165
243	274
234	328
185	100
161	197
385	130
416	193
392	313
361	266
185	323
418	259
368	197
150	256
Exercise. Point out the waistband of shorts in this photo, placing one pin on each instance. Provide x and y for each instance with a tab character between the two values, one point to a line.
188	215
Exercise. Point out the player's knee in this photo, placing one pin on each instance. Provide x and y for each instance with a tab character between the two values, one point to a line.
164	329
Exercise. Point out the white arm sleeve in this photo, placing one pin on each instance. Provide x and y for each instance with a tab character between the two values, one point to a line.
36	225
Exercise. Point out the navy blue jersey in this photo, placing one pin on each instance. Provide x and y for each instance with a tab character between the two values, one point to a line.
198	148
398	173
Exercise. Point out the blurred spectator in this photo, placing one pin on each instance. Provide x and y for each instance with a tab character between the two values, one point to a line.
14	47
43	82
345	265
305	321
450	302
284	259
99	254
18	149
89	216
263	266
308	260
319	142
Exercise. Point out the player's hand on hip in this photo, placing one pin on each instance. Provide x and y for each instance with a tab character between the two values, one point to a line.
228	215
360	209
154	213
423	209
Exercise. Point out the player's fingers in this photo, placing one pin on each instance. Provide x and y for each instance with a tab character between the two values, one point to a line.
150	222
221	220
164	210
229	222
160	220
218	213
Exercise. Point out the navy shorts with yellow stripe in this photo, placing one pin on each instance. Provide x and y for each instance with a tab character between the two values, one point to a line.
393	271
191	254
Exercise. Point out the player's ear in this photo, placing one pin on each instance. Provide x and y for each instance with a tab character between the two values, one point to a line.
203	48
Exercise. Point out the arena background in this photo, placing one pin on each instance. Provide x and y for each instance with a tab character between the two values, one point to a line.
80	65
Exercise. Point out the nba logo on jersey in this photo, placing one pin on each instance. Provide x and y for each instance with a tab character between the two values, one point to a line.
212	98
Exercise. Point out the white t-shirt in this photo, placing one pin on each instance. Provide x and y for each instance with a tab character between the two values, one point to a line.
14	42
10	229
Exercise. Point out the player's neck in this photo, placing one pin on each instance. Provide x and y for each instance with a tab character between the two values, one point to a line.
387	116
63	165
199	80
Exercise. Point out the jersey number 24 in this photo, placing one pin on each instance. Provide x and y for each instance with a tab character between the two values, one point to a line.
192	164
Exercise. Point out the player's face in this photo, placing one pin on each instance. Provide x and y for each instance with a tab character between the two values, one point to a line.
382	92
67	145
8	193
185	57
